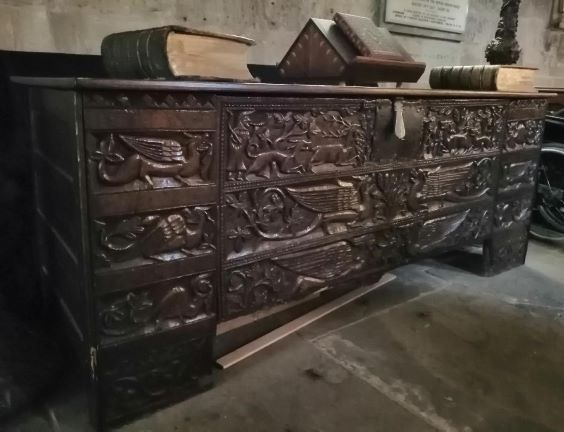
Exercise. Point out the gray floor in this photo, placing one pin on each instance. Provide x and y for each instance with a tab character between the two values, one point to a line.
438	349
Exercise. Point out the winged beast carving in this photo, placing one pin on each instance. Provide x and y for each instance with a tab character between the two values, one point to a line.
126	158
156	236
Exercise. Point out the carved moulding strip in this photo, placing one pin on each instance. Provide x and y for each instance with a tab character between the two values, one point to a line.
278	140
135	383
163	100
162	160
453	130
154	237
148	310
295	275
523	134
523	109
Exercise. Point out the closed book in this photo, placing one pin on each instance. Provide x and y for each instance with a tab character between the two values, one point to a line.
369	39
174	51
483	77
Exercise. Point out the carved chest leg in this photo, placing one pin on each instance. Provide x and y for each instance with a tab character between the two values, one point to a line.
145	374
505	250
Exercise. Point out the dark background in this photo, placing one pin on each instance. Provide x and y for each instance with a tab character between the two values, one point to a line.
19	283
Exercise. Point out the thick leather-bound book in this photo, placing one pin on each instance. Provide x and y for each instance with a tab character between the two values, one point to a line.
370	40
483	77
174	51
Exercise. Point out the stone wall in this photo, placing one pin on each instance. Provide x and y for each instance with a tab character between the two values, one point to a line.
78	26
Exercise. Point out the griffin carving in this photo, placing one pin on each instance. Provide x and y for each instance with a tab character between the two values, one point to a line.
148	157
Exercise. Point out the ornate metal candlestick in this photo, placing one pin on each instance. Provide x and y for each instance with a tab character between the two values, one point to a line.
504	48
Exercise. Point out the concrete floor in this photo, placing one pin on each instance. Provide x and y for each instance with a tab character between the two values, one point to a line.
438	349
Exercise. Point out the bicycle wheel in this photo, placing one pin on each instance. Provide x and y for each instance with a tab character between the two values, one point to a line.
549	209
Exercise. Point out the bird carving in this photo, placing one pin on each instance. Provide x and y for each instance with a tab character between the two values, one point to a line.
154	235
176	232
338	202
315	268
435	231
323	263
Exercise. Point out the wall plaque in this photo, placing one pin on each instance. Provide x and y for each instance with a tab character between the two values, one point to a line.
439	15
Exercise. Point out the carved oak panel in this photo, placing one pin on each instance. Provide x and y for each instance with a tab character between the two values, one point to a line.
158	307
515	174
262	219
458	130
523	134
295	275
266	218
125	161
329	187
513	212
141	379
462	182
505	249
452	229
154	237
288	139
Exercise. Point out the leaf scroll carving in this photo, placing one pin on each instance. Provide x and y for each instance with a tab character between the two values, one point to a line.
524	134
509	213
462	130
295	275
151	310
285	213
137	382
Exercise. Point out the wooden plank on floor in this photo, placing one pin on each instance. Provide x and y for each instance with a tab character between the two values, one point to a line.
270	338
235	323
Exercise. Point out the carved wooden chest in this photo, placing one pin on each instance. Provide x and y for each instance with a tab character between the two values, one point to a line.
164	208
